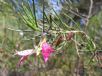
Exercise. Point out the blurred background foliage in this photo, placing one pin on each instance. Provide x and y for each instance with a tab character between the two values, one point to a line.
21	26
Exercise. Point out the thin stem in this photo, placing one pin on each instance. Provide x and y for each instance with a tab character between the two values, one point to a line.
50	23
34	12
89	13
76	46
57	16
43	16
31	10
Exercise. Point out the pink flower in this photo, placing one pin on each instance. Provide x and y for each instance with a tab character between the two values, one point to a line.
47	50
25	52
24	55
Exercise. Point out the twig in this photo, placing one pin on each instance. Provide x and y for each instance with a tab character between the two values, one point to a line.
89	14
75	13
19	30
76	46
75	32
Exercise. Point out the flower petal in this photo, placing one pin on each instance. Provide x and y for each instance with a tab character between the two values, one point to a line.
25	52
46	51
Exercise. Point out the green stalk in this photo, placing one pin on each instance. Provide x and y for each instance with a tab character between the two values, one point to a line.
31	11
28	19
43	17
34	12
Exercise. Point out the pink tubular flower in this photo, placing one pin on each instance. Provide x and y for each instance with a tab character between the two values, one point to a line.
24	55
25	52
46	51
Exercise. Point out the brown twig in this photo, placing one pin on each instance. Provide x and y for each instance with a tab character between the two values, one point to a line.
89	13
